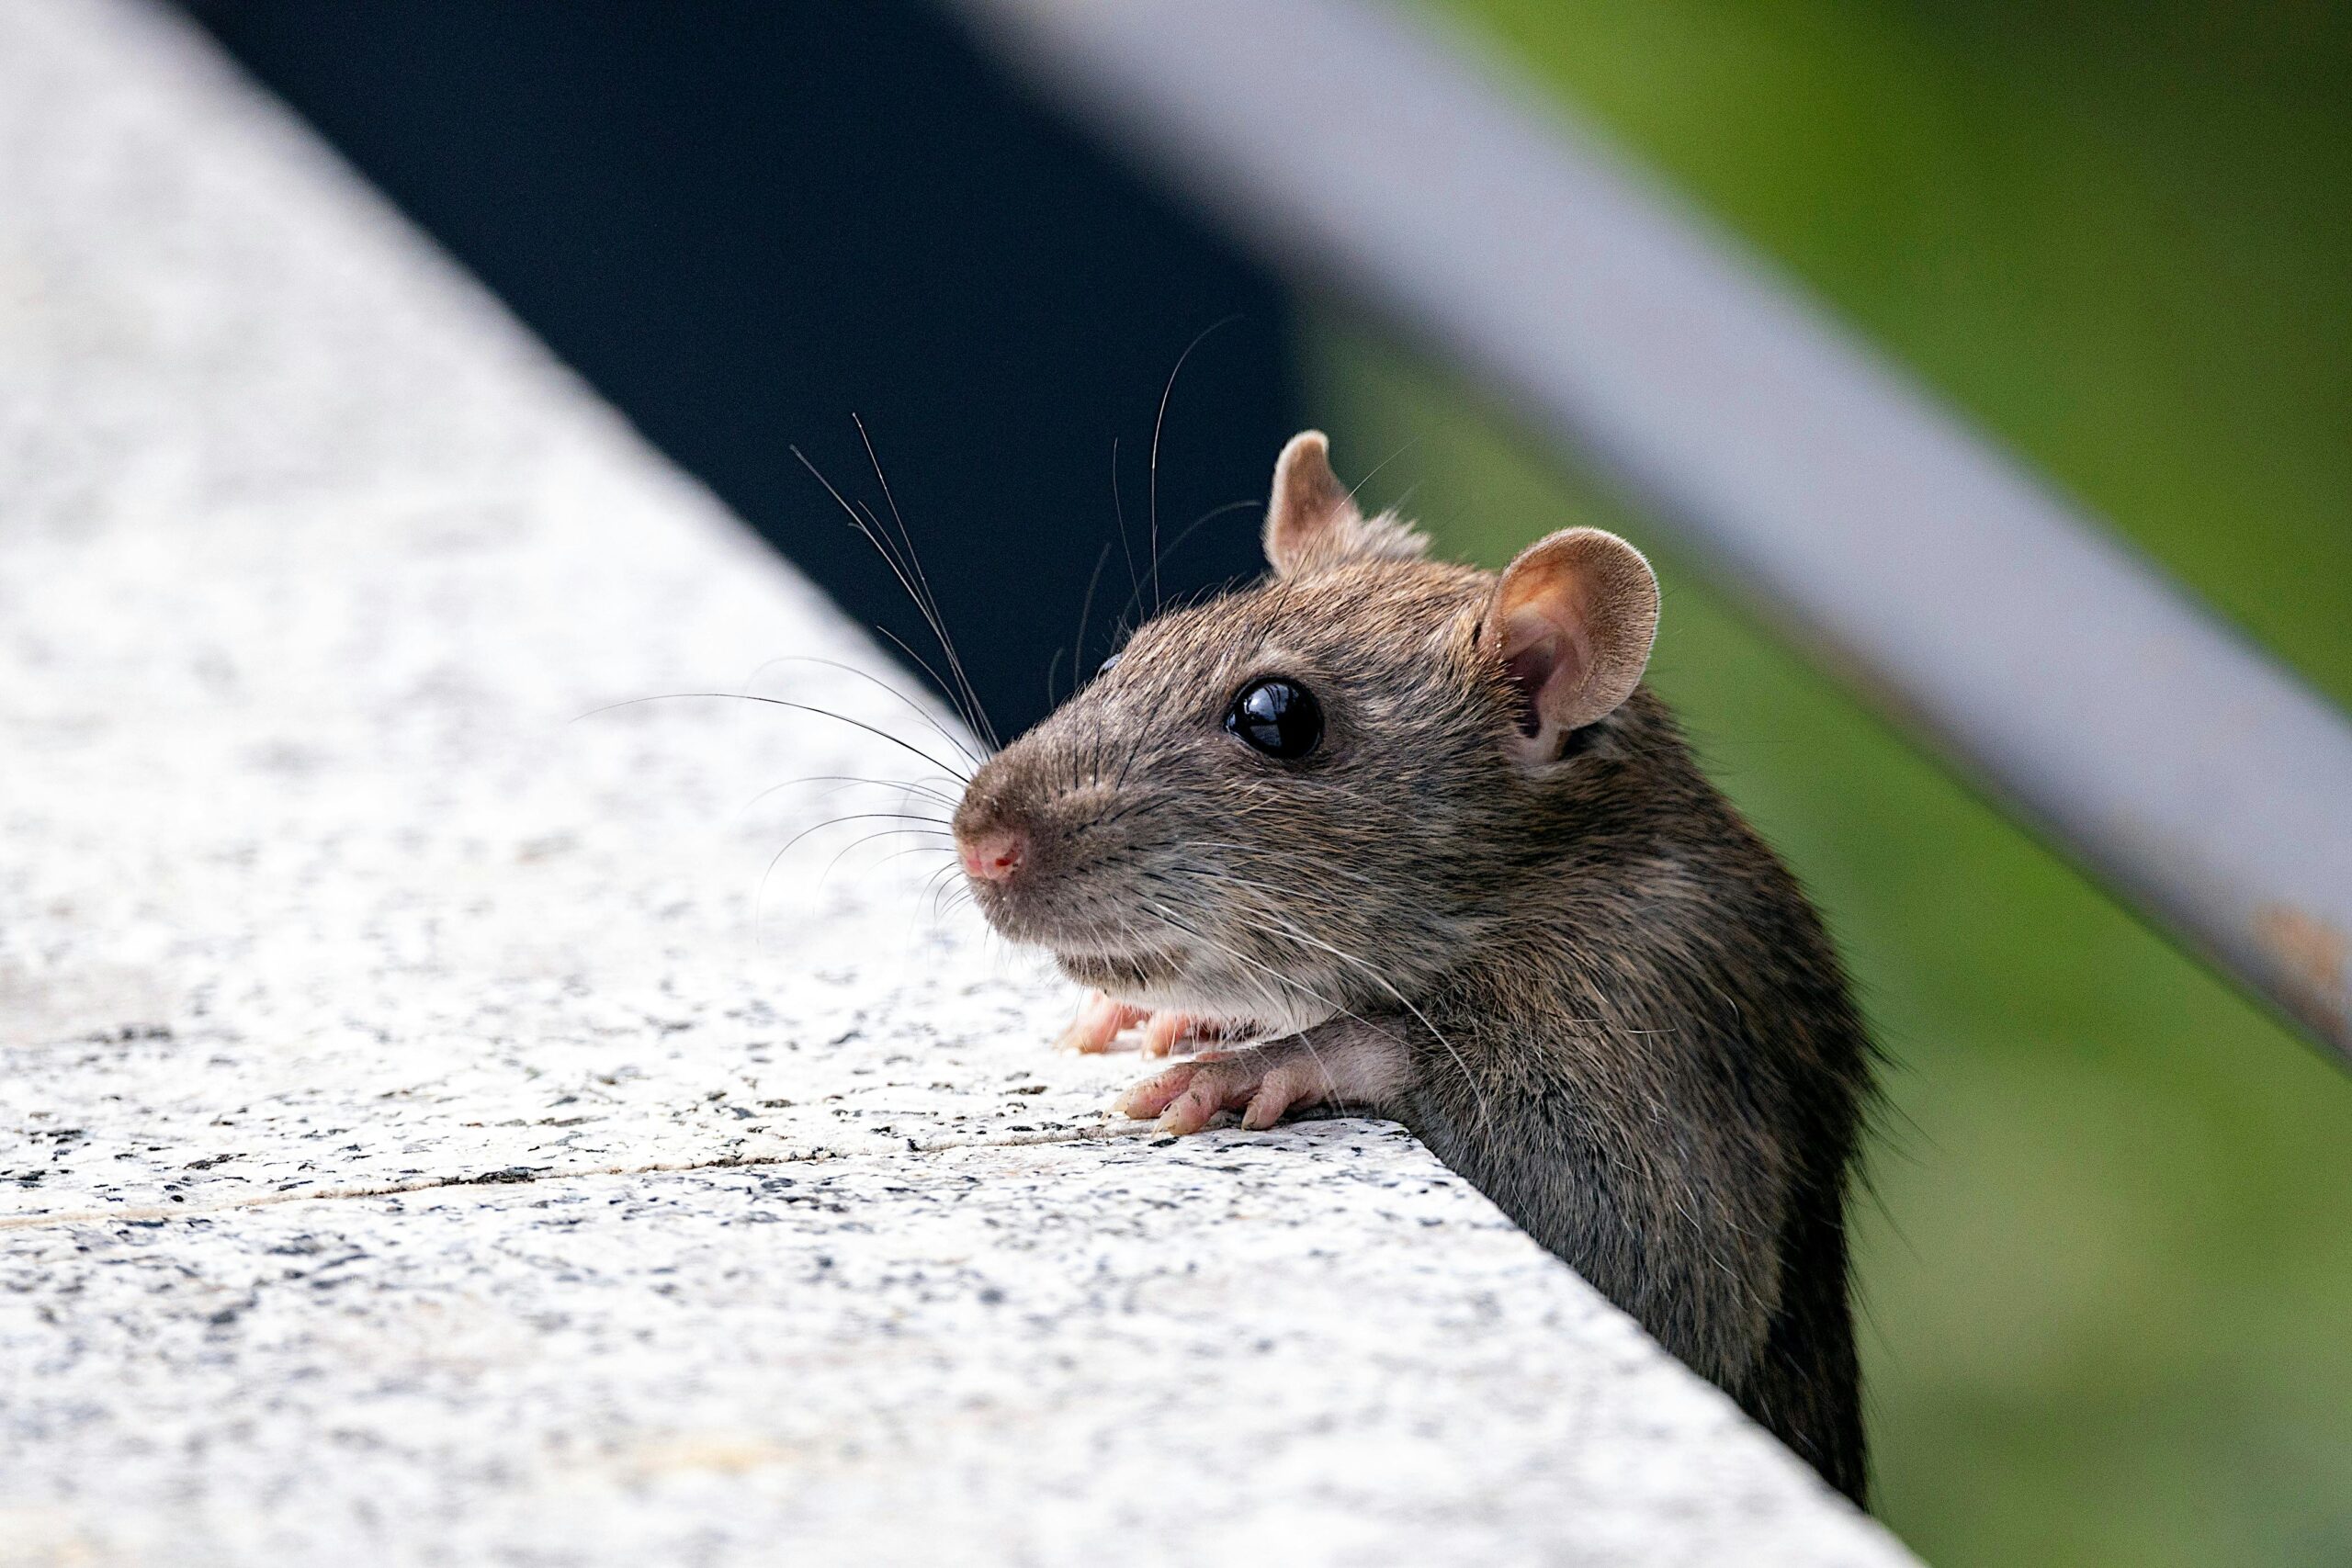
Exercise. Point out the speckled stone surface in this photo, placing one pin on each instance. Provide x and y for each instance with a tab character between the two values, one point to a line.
436	1126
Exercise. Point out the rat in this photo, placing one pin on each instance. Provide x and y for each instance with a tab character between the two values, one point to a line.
1420	835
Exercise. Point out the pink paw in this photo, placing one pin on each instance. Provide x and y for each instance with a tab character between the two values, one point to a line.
1101	1021
1262	1083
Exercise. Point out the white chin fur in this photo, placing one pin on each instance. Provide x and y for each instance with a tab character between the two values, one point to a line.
1212	991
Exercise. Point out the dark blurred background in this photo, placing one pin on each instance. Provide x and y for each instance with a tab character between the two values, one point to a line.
747	220
2107	1272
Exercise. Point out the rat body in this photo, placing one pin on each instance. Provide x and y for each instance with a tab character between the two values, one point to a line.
1417	830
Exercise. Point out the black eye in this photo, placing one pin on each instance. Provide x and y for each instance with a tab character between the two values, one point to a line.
1278	716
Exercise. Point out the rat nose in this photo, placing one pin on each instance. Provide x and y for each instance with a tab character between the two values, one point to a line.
993	854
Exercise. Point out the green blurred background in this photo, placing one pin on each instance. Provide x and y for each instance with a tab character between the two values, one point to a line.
2108	1274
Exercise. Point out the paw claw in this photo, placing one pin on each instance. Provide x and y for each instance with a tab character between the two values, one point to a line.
1263	1084
1193	1110
1155	1094
1362	1066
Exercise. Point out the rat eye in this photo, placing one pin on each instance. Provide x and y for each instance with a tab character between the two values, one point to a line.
1109	664
1276	716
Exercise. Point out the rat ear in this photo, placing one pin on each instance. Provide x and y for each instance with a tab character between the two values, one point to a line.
1313	519
1571	622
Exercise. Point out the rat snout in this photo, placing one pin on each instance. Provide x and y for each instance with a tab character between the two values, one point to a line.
1016	839
992	853
994	835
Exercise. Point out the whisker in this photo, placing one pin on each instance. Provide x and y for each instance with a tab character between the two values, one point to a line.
929	600
850	781
1211	515
869	838
1256	851
1119	511
872	530
930	883
917	849
1190	528
920	662
1159	422
1410	442
759	896
781	702
921	712
945	899
1078	658
938	822
871	526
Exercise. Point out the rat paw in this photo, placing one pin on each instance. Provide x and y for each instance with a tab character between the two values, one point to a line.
1262	1083
1101	1021
1167	1033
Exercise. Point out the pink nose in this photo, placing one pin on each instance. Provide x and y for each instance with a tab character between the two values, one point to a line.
993	855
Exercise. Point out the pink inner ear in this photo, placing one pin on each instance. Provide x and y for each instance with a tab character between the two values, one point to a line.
1577	611
1542	659
1529	667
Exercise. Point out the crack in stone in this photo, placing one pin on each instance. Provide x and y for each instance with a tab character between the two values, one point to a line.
1102	1132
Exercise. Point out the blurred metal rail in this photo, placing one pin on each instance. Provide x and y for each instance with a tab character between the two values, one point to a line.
2201	782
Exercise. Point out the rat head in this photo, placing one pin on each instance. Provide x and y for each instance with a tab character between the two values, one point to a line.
1304	798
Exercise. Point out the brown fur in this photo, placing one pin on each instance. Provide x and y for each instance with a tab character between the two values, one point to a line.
1613	1010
